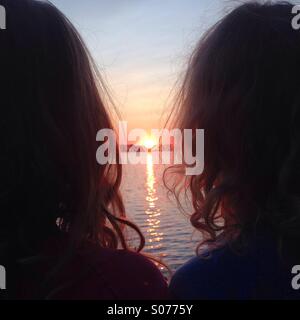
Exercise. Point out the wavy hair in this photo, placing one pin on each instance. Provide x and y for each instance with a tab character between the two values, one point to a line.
242	87
53	102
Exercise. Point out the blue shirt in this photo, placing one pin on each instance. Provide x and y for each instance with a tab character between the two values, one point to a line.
257	274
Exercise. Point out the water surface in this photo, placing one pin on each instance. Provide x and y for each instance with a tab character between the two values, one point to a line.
167	230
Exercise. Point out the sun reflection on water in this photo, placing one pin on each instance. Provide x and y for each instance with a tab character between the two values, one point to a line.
153	212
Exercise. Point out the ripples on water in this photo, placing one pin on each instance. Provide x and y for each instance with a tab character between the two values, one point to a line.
167	230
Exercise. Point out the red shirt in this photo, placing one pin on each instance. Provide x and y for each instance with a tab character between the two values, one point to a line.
95	273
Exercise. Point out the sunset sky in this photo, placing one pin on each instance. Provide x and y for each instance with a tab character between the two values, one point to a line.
141	47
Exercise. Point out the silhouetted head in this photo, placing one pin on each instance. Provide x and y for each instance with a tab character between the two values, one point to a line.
51	109
242	87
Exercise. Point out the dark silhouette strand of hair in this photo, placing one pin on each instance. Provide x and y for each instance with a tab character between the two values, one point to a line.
242	87
51	110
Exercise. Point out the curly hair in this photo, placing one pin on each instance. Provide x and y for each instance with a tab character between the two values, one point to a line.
242	87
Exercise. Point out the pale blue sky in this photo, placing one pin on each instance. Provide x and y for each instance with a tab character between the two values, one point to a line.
141	46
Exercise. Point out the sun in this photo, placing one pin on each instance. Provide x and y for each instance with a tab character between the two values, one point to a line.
149	142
